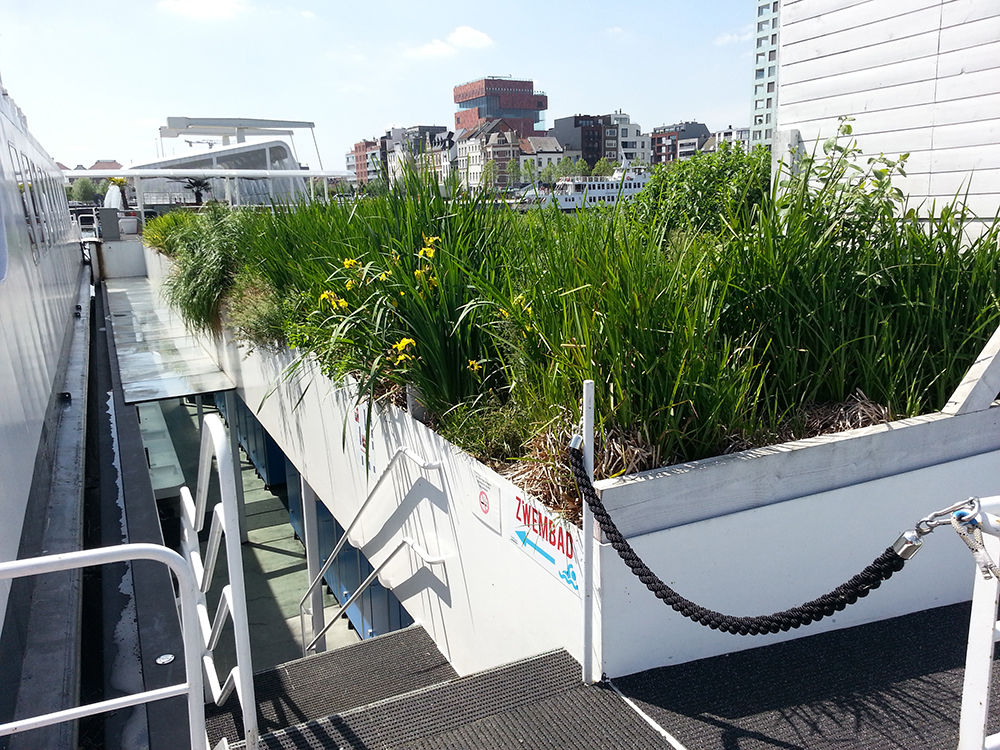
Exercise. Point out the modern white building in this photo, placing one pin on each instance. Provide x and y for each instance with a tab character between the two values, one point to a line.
765	70
632	144
919	77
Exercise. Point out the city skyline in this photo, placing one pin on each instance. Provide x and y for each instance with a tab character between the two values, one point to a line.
111	80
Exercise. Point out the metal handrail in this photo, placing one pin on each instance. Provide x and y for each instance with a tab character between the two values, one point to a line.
405	542
193	686
402	451
233	603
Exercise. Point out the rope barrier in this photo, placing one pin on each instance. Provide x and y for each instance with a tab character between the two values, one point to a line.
881	569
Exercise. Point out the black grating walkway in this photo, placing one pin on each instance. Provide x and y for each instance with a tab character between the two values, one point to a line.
891	685
534	703
336	681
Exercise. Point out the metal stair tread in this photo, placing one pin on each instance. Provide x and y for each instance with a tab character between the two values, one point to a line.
336	681
526	692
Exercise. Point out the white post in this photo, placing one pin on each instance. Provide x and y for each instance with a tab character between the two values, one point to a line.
310	533
140	204
982	637
234	448
590	548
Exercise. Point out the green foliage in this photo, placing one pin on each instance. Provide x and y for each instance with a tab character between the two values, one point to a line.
603	168
707	191
513	171
565	167
490	174
83	190
581	168
701	320
549	174
167	232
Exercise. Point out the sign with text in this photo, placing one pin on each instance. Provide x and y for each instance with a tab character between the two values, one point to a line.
486	504
551	541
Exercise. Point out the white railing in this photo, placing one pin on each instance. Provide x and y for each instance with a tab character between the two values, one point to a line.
304	606
984	632
192	687
233	600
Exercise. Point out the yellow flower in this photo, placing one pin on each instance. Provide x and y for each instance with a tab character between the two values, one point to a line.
504	313
433	281
350	262
474	366
426	252
403	358
402	294
430	241
384	275
341	303
350	284
328	296
419	272
403	344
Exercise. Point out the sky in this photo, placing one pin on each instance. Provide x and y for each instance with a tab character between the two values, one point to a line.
97	79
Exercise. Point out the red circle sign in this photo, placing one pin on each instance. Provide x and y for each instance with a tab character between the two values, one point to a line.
484	502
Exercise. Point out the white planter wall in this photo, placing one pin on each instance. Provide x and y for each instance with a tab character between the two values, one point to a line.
756	533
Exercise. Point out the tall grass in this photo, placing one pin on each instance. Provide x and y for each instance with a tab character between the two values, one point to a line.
826	287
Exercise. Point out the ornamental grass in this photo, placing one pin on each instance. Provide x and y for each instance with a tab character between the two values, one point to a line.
702	333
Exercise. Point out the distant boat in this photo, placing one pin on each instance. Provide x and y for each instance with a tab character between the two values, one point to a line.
571	193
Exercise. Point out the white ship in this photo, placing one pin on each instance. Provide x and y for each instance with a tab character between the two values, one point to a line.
571	193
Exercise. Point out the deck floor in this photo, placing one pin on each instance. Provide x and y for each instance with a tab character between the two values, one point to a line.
895	684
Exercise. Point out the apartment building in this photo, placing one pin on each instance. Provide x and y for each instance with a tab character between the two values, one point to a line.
765	72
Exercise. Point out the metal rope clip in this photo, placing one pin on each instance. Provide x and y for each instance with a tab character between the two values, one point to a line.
966	523
927	524
910	541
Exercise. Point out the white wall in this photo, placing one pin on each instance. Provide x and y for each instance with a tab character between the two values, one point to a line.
918	76
728	543
493	601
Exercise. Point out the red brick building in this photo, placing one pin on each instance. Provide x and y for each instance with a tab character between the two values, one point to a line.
493	98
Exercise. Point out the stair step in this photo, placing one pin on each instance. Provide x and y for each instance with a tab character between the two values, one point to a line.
335	682
538	702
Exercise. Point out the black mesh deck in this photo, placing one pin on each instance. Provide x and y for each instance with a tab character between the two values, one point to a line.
895	684
336	681
534	703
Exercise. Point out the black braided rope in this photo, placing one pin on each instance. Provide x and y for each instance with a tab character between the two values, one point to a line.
870	578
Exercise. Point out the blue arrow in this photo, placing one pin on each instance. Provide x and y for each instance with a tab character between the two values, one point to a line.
523	536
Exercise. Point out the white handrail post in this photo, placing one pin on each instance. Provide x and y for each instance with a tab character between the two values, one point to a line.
234	555
982	638
310	533
234	453
590	550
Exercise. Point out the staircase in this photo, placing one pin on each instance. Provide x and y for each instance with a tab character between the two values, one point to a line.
398	691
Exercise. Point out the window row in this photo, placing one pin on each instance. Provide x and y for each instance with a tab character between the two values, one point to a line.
43	201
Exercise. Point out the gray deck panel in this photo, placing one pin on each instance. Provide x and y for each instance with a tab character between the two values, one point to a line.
158	357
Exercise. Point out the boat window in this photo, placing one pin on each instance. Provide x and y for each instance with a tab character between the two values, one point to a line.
38	200
28	218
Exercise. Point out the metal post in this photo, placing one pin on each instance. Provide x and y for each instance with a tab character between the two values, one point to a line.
234	447
141	204
982	639
310	539
590	549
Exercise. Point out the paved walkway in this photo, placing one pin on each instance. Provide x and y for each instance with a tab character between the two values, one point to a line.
273	559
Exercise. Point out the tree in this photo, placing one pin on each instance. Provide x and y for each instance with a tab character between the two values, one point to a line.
102	188
197	185
603	168
548	175
490	174
565	167
530	173
513	172
581	168
83	190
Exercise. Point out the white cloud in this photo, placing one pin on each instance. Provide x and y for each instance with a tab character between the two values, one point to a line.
743	35
466	37
204	10
615	30
309	14
431	50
